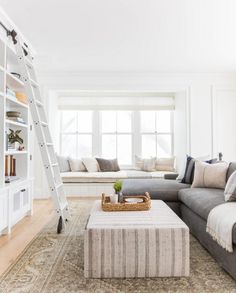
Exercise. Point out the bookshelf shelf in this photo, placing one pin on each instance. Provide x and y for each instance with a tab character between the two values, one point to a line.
15	102
13	152
16	123
13	82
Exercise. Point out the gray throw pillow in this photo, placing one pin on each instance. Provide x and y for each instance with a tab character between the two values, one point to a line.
63	163
230	188
108	165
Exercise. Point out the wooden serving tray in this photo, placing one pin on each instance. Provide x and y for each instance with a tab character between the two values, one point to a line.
145	205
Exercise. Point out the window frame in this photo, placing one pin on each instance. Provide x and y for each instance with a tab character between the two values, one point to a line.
136	133
117	133
76	133
156	133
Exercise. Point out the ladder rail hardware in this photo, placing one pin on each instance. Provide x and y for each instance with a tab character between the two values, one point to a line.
42	132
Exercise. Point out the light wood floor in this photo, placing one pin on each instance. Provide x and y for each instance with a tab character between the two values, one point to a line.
23	232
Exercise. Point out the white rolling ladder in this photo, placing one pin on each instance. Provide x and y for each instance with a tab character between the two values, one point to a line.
43	135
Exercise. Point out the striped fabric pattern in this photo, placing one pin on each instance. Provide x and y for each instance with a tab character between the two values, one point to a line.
129	249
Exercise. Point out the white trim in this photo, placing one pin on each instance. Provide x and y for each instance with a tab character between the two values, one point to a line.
214	135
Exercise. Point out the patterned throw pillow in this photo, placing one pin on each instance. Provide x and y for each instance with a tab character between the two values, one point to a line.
230	188
210	175
148	165
76	165
91	164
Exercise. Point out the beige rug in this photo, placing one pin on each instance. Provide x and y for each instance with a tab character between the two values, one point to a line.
54	263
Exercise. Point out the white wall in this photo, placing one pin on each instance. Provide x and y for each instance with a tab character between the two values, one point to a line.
197	88
224	135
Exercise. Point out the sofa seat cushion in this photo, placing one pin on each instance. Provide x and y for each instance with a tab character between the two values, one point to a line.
202	200
92	177
108	177
166	190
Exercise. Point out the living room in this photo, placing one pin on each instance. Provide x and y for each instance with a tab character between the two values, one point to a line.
117	146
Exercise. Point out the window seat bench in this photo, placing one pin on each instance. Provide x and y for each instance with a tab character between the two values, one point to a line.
95	183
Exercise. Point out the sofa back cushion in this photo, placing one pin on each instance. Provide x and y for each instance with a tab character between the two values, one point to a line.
210	175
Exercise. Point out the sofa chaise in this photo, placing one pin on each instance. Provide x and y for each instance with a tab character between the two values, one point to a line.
193	205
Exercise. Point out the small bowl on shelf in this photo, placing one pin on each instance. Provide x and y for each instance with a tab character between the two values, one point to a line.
13	114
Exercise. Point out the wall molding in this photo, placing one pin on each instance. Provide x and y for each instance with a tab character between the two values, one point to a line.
215	89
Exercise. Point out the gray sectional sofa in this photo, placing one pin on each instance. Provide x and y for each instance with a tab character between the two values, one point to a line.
193	205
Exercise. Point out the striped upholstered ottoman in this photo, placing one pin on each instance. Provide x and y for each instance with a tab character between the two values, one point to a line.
152	243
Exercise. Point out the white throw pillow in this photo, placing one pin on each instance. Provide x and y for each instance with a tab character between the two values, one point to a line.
230	188
147	165
76	165
165	164
91	164
210	175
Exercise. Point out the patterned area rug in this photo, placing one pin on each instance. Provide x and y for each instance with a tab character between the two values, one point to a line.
54	263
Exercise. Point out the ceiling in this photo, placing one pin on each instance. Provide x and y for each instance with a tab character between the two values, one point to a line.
129	35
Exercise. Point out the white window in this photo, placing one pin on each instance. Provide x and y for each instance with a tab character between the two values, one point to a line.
156	133
76	133
118	134
116	131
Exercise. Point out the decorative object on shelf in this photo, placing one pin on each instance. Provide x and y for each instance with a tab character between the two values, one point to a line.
10	93
17	75
21	97
15	116
126	205
14	139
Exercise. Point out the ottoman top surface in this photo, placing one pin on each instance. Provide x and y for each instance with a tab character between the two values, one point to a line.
160	216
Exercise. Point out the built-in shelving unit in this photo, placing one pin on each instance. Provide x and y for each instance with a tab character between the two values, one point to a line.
16	196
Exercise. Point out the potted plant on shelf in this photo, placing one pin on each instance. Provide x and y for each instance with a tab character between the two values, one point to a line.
117	187
14	139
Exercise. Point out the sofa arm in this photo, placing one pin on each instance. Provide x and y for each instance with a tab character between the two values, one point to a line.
171	176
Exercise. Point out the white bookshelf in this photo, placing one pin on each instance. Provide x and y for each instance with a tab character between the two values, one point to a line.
16	196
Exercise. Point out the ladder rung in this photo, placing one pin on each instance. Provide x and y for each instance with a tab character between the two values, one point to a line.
49	144
34	83
54	164
29	63
59	185
63	205
44	124
38	103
